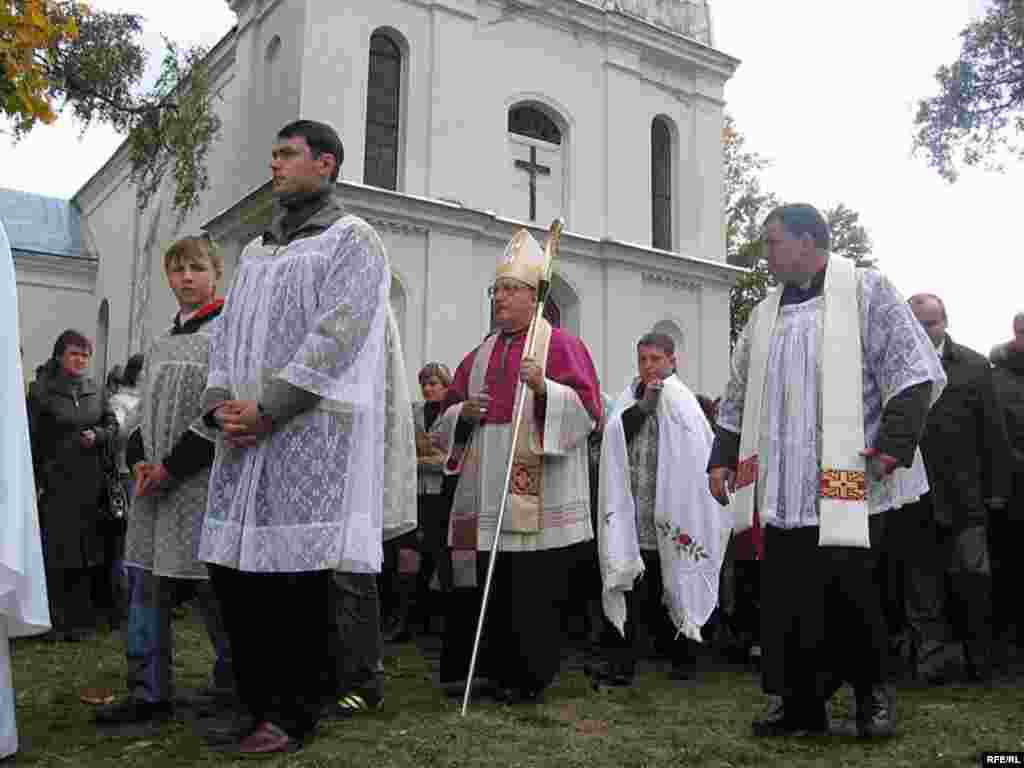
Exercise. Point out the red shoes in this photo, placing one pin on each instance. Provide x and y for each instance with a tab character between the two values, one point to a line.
267	739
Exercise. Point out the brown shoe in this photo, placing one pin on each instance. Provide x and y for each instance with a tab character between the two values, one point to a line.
267	739
96	696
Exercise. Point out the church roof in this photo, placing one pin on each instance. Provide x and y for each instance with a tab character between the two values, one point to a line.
37	224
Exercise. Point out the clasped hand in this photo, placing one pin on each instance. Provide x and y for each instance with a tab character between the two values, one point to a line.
243	423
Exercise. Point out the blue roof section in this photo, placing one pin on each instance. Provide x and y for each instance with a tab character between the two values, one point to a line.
39	224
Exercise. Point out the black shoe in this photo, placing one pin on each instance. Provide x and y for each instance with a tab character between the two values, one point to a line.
227	729
133	710
684	671
937	664
783	720
353	703
509	695
876	714
612	675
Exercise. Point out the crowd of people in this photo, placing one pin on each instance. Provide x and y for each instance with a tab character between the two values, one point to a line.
852	498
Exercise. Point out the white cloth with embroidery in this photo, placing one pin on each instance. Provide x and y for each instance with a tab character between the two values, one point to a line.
23	606
310	495
896	355
565	518
692	531
163	530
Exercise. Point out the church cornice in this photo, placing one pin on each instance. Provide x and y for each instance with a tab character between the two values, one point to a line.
417	216
466	9
48	271
675	282
609	22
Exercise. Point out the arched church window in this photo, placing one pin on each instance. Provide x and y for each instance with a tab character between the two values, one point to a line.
537	146
383	109
661	184
534	124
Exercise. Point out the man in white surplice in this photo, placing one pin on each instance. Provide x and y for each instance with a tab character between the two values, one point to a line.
23	606
831	382
661	533
308	462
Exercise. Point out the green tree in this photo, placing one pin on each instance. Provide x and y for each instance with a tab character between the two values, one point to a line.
849	238
60	55
746	204
977	117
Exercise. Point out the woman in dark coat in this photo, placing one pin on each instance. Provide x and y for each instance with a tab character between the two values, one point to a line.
70	425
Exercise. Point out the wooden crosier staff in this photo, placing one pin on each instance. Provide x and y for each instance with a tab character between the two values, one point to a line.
550	254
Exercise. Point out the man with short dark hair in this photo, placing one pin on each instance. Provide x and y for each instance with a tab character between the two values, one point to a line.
662	537
945	535
301	383
831	381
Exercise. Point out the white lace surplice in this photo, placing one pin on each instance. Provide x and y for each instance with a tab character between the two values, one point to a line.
310	495
897	355
163	530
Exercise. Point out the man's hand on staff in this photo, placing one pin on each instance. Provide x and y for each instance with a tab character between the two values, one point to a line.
722	482
243	422
532	375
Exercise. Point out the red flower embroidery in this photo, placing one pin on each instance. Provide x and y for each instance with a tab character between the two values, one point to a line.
683	539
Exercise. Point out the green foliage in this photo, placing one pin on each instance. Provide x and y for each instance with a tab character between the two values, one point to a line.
94	69
849	238
977	117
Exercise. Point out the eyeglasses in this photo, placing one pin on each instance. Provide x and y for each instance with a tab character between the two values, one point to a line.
497	288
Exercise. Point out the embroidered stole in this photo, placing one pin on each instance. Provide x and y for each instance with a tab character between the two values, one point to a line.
525	499
843	507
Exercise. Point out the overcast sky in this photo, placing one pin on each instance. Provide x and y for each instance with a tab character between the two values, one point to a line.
826	90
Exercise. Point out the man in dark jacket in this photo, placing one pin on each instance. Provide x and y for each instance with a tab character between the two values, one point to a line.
1008	525
945	535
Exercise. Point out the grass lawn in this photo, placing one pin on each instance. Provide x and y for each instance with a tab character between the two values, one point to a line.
657	723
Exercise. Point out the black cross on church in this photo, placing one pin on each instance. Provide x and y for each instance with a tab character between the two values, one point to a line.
534	170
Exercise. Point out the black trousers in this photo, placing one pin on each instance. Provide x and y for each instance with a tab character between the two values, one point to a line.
354	641
522	641
462	608
821	617
70	596
648	625
947	580
277	626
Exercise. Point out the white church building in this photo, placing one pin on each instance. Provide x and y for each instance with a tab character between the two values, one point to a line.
462	121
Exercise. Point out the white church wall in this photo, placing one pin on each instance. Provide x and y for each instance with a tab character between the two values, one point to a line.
708	120
530	62
266	92
714	352
54	294
334	82
115	248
